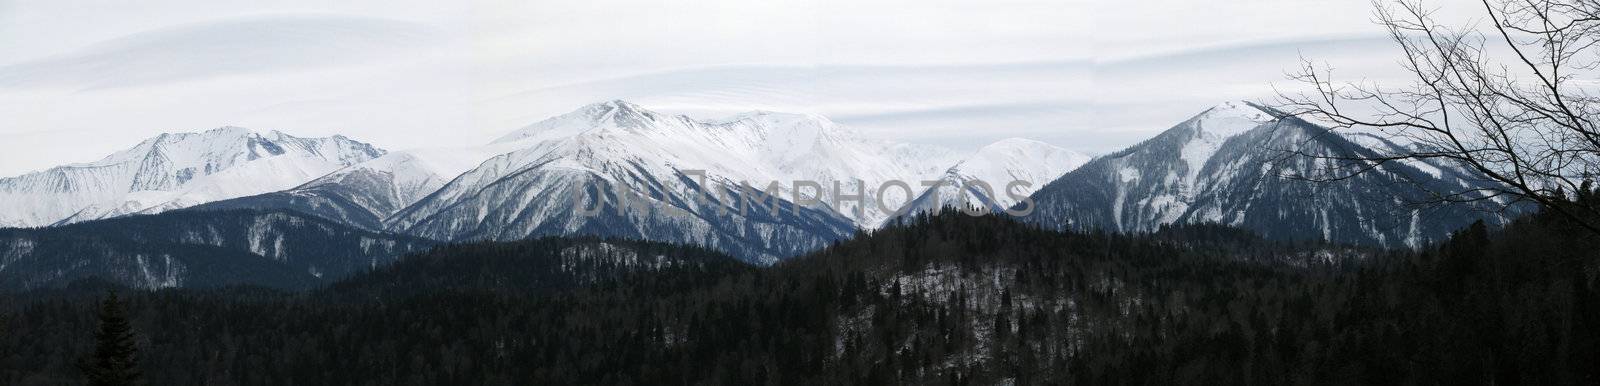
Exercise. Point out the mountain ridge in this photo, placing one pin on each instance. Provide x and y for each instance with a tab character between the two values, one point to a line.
174	170
619	144
1243	176
687	175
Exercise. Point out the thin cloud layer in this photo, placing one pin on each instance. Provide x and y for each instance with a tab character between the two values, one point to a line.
1091	75
220	48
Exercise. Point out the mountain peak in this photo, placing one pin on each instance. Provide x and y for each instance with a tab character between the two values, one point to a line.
175	170
1015	143
617	110
228	130
1010	155
614	113
1229	119
790	126
621	104
1240	109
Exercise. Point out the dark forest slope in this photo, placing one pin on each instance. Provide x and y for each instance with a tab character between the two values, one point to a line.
945	300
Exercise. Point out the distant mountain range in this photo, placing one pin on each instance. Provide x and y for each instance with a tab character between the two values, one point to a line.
365	194
174	171
525	183
683	177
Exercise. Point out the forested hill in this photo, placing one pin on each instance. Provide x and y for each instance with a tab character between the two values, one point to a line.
540	267
943	300
279	249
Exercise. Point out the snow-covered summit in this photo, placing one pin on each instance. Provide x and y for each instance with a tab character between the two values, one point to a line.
616	114
1020	159
175	170
1210	129
757	146
981	180
1229	119
621	145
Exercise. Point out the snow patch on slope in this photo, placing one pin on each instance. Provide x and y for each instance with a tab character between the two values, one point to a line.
173	171
1216	126
758	147
982	179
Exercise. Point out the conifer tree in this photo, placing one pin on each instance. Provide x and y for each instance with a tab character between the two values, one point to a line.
115	358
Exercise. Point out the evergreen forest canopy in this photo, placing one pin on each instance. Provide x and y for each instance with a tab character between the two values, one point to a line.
949	299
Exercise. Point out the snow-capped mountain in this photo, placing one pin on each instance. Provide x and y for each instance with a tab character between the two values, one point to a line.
617	148
807	147
981	180
769	146
756	147
365	194
174	171
1232	165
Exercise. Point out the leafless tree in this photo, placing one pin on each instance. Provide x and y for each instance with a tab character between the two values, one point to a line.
1507	96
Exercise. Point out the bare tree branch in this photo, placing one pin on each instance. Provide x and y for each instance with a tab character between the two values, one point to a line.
1511	102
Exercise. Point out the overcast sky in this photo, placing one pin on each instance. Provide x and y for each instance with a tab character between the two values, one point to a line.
81	79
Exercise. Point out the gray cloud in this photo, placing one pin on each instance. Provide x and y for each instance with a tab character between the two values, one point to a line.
78	80
229	47
963	104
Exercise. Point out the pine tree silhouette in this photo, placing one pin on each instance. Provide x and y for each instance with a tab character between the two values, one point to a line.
115	359
4	320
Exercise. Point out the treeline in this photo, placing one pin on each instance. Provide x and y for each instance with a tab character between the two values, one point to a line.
286	250
949	299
